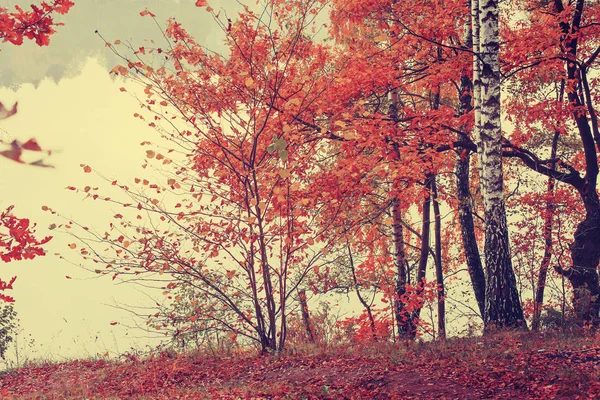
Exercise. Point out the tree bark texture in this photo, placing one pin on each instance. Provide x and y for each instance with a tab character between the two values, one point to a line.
585	248
462	170
502	303
305	315
404	321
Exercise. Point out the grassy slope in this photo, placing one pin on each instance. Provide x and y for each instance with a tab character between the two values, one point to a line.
504	366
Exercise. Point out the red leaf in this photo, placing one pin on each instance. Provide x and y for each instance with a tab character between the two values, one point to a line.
5	112
32	145
14	154
6	299
146	12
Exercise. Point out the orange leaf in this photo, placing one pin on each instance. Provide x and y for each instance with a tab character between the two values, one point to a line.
146	12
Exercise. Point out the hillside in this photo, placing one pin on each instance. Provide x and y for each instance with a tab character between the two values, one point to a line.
501	367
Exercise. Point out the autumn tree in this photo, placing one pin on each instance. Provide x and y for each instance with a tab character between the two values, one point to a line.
502	304
234	216
410	115
287	153
563	60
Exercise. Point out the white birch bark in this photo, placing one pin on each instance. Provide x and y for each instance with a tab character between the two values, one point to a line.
475	31
502	305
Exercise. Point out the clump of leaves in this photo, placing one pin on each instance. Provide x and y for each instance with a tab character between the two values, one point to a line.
8	317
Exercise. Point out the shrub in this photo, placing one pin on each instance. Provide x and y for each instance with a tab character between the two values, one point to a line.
8	317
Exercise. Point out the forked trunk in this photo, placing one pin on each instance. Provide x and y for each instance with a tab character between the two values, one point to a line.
425	247
362	300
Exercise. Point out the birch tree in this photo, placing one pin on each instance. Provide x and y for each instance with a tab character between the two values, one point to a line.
502	304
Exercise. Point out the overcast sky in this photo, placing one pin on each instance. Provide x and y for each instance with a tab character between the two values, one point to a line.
69	103
114	19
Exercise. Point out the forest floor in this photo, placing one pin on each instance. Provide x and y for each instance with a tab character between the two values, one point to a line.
503	366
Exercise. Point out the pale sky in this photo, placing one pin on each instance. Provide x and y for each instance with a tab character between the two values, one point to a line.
70	104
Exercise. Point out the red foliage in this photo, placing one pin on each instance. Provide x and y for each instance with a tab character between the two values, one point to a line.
17	243
361	330
37	24
16	239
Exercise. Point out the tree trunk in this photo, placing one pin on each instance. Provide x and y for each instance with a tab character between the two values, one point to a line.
425	247
475	43
266	274
548	215
305	315
467	229
502	306
585	249
439	273
425	228
404	322
362	300
260	320
583	275
465	201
